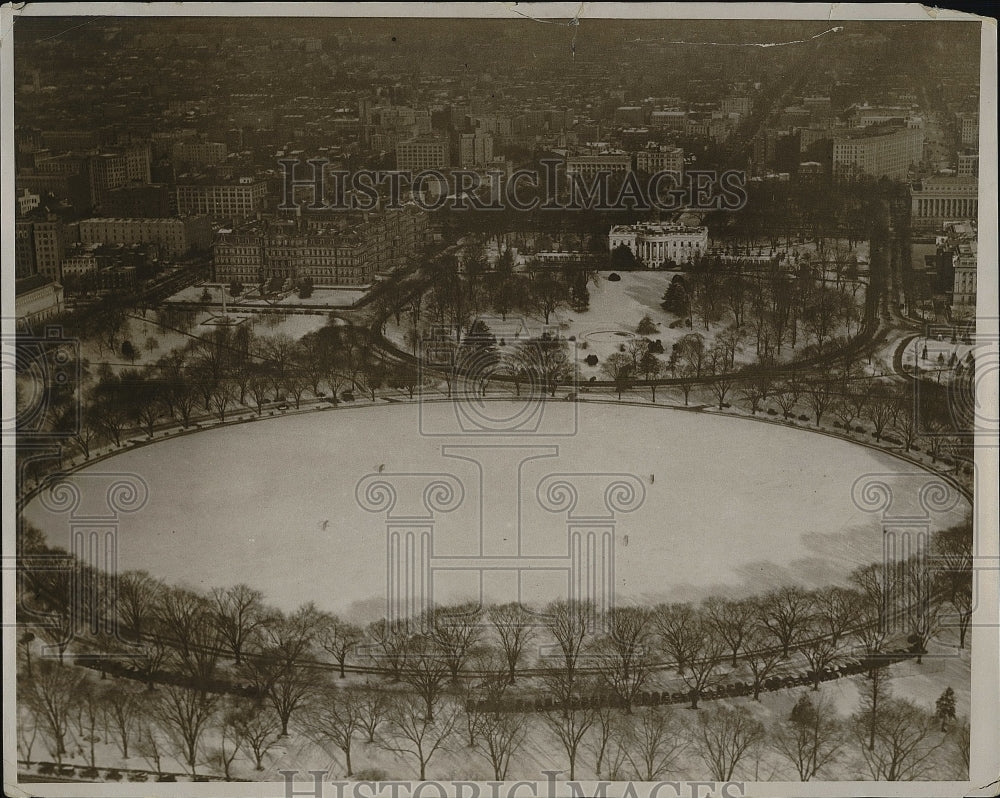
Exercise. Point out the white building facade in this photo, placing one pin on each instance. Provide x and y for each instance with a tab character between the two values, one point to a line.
657	244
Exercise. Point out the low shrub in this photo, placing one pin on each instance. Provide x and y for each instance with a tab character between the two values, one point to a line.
369	774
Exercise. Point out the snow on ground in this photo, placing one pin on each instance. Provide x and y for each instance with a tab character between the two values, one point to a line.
944	666
616	308
735	507
321	297
138	330
940	352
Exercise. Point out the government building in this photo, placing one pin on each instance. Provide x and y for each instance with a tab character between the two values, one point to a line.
657	244
349	254
878	150
943	198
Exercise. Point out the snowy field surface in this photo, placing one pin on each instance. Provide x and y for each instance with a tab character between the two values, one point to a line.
734	506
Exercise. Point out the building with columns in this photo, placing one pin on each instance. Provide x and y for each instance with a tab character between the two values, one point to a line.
942	198
655	244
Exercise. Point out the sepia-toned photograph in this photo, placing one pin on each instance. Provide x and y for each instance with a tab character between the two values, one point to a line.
499	400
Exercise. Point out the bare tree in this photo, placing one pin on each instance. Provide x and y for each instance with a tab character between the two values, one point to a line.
87	716
721	367
500	735
819	648
811	736
836	611
625	652
701	670
188	622
655	742
783	612
678	627
882	408
279	668
427	670
27	729
229	741
619	368
723	737
52	694
732	620
787	396
921	606
122	709
906	739
877	585
148	743
373	706
952	549
568	725
514	626
456	631
138	595
754	392
389	640
340	638
820	395
875	692
257	727
961	741
761	656
239	612
569	623
334	718
606	741
410	732
185	715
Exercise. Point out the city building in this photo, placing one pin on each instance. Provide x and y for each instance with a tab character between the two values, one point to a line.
339	255
630	115
590	165
664	159
657	244
958	246
474	149
115	168
672	119
877	150
46	238
200	153
968	165
173	237
141	201
37	298
27	202
419	154
965	262
240	199
970	129
937	199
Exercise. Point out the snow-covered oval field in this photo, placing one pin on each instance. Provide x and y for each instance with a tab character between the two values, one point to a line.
730	505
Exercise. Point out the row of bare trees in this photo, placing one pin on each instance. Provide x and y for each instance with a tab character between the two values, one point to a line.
223	373
886	738
214	655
